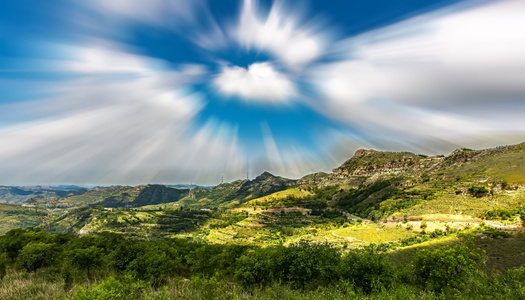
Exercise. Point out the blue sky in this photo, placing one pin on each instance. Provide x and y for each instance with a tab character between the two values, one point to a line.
173	91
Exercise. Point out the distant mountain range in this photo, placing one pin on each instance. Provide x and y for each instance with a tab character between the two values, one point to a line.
20	194
372	184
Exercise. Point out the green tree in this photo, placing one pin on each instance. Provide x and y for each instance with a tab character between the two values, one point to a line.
446	266
261	266
307	262
368	269
86	259
478	191
37	255
125	253
14	240
155	265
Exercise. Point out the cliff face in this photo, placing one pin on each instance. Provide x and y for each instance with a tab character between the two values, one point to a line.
369	166
370	162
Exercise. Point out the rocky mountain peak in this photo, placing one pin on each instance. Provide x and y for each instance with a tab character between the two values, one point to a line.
264	176
364	152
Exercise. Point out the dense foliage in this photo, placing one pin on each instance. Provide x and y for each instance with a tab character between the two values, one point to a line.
108	266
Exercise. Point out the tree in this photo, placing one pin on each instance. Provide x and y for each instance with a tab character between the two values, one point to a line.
37	255
152	266
445	266
261	266
86	259
125	253
368	269
311	262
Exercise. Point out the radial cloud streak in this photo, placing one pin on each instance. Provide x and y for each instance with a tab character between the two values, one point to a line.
161	91
435	75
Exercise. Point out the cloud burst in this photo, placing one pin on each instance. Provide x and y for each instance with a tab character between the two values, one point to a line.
450	78
260	82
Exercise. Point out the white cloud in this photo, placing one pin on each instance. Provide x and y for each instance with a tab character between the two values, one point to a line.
155	12
260	82
123	122
433	76
279	33
466	55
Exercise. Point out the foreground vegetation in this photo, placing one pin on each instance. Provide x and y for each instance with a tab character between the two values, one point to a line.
38	265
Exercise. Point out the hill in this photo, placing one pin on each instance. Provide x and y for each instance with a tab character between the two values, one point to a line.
14	216
20	194
396	190
237	192
124	196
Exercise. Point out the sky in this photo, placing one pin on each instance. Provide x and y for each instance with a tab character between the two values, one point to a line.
176	91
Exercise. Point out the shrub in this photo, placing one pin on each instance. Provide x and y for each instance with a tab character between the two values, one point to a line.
445	266
310	262
155	265
111	288
478	191
260	266
86	259
14	240
124	254
368	269
423	225
36	255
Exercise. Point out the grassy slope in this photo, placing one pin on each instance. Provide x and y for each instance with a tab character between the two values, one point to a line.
14	216
19	195
121	196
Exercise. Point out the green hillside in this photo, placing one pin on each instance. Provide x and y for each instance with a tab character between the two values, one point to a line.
397	189
124	196
21	194
237	192
14	216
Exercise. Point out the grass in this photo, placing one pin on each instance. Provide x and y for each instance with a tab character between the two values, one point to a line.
275	198
504	253
14	216
501	254
375	234
22	285
467	205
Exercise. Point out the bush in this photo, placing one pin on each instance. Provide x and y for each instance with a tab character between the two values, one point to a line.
124	254
111	288
260	266
308	262
14	240
298	264
478	191
445	266
423	225
37	255
155	265
86	259
368	269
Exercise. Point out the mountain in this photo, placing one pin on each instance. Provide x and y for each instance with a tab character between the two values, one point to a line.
15	216
125	196
464	187
20	194
240	191
381	184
